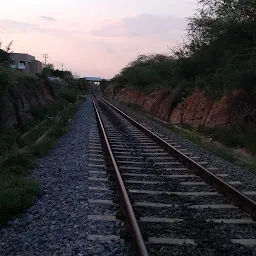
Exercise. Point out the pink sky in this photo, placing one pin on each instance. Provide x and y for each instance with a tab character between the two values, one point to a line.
93	38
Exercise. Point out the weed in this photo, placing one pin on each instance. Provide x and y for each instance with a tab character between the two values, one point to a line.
68	94
7	140
48	110
231	137
42	148
222	151
58	130
16	194
23	159
17	191
35	133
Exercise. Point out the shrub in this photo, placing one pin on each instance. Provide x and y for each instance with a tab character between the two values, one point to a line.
42	148
50	109
231	137
68	94
16	194
23	160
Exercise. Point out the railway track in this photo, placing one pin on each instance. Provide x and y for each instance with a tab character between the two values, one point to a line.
172	202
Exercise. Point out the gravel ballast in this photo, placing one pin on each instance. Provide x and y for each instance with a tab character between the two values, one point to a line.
57	223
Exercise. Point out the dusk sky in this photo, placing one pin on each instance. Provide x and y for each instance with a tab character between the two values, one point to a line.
93	38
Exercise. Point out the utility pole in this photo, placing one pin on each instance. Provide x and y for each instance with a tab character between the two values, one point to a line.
45	56
62	66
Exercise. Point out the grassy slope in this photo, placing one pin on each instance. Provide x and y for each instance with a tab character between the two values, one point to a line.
19	153
230	154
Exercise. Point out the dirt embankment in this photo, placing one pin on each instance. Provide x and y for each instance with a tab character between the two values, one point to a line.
19	101
193	110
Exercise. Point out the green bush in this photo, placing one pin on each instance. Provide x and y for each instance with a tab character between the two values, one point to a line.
8	138
29	80
68	94
23	160
42	148
16	194
17	191
231	137
50	109
144	72
36	132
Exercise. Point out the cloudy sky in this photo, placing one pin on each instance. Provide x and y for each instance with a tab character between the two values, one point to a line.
93	38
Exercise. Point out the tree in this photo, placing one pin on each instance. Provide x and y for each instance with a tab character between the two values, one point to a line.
218	54
146	70
48	69
5	54
223	25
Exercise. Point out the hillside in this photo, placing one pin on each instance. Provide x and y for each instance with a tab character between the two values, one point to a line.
209	82
34	112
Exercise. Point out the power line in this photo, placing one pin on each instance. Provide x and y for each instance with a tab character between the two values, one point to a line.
45	56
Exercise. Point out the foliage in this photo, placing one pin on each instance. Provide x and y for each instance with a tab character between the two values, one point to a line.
22	160
48	69
103	85
5	54
64	79
145	71
218	55
16	194
221	44
49	120
68	95
231	137
48	110
17	190
6	79
7	139
243	160
5	71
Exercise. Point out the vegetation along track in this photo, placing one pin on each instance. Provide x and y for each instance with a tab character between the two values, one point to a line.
174	202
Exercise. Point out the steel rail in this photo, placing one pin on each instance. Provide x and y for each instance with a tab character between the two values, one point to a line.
238	197
136	233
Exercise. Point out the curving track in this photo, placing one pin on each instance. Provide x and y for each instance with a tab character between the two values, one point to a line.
172	202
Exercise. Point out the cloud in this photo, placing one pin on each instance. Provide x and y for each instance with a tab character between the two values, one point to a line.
14	24
144	25
109	49
47	18
23	27
117	42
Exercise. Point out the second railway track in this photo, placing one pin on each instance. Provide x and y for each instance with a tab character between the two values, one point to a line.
176	210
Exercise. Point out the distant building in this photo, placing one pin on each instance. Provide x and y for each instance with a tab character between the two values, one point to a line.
26	63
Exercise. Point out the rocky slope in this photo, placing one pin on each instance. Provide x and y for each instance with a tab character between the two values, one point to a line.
18	102
196	109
